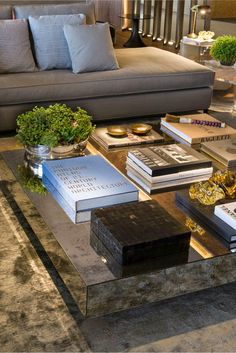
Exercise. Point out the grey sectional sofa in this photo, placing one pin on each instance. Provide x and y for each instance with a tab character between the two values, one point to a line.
150	81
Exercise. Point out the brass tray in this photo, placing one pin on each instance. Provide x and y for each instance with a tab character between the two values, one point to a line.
117	130
141	129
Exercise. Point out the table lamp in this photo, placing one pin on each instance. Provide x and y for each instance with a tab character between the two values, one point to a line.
196	9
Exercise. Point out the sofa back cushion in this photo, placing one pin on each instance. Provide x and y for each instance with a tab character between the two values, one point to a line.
24	11
5	12
15	50
50	45
91	48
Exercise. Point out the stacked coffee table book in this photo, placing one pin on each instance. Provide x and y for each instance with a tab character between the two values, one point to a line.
84	183
159	167
195	129
220	219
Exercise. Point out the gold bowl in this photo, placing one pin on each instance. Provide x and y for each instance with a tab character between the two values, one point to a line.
117	130
141	129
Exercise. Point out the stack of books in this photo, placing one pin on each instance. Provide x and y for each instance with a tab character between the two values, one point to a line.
160	167
102	137
222	151
195	134
219	219
84	183
135	233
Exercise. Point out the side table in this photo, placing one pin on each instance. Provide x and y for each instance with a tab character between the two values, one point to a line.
194	52
224	74
135	40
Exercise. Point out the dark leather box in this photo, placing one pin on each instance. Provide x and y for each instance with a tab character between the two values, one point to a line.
138	231
140	267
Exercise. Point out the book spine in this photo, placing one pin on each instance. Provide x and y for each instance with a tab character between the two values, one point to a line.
140	162
59	186
76	217
173	169
215	138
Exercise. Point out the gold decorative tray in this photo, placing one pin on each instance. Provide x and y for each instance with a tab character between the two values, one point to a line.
140	129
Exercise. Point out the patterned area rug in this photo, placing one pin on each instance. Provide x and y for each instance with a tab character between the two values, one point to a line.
33	316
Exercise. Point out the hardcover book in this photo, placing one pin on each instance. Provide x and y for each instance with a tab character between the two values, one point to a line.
197	134
205	215
223	151
139	231
101	136
227	212
167	159
88	182
152	187
76	217
133	167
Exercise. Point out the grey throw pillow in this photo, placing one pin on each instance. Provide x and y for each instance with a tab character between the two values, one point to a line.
90	48
50	45
15	50
36	10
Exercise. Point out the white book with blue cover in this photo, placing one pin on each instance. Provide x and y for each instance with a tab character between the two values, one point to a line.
89	182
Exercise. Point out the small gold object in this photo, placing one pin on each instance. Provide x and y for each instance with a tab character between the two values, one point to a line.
193	226
218	187
117	130
227	181
206	193
141	129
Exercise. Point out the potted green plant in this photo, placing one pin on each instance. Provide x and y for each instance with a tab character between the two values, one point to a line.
56	125
224	50
34	134
54	129
70	129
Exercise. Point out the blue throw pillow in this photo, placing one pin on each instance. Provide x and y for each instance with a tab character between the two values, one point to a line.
91	48
50	45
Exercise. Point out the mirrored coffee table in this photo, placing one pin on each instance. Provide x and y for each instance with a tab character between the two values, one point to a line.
96	289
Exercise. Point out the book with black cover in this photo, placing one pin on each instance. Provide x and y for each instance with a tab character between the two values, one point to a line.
167	159
137	231
205	215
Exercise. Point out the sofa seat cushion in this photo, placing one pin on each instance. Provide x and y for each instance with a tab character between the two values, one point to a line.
142	70
24	11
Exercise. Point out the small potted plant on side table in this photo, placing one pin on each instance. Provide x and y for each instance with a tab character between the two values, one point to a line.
224	50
